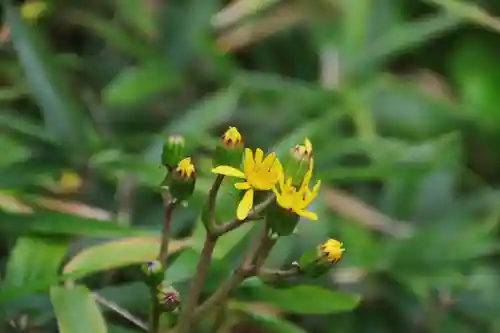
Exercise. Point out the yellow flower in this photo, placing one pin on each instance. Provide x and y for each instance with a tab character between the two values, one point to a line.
332	250
185	168
232	137
297	200
260	174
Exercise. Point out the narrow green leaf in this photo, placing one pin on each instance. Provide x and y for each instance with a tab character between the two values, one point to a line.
33	259
116	254
64	116
306	299
51	223
135	84
76	310
271	324
400	39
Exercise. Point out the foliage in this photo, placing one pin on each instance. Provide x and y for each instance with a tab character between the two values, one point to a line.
397	96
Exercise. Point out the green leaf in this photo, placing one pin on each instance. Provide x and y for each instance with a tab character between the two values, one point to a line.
64	116
211	111
76	310
271	324
117	253
135	84
306	299
33	259
51	223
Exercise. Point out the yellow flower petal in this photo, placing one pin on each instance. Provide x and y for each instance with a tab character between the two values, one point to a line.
228	171
308	214
268	162
242	186
248	163
259	156
245	205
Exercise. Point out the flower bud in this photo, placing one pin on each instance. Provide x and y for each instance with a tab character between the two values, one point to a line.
173	151
180	182
298	162
152	273
281	221
319	260
229	150
168	297
33	10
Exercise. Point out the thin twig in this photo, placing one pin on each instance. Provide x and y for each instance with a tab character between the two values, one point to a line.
212	198
235	223
122	312
167	221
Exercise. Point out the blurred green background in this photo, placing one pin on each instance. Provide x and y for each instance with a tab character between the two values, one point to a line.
399	97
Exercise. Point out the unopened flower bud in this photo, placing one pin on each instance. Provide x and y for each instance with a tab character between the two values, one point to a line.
320	259
173	151
229	150
180	182
33	10
168	297
152	272
298	162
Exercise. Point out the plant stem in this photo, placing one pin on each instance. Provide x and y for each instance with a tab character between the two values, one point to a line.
154	321
169	206
165	238
196	285
245	270
235	223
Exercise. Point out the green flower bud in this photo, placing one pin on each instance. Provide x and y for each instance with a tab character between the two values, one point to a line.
168	297
319	260
152	273
180	182
298	162
173	151
229	151
281	221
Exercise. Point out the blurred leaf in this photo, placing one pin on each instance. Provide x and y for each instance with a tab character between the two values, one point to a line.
402	111
63	224
195	123
139	14
133	297
400	39
270	323
134	84
24	126
306	299
469	12
33	259
474	70
115	35
185	25
76	310
118	253
64	116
